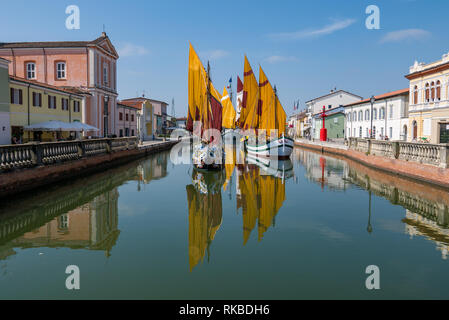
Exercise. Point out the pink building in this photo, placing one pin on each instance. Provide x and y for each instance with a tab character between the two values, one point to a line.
87	66
126	121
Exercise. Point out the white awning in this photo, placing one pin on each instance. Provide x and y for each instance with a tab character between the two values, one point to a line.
55	125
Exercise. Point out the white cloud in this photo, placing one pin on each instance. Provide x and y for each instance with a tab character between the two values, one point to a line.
301	34
215	54
406	34
130	50
276	59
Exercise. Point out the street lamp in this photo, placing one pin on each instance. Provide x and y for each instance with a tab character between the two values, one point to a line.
372	100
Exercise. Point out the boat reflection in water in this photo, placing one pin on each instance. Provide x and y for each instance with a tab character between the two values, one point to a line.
261	192
205	212
426	208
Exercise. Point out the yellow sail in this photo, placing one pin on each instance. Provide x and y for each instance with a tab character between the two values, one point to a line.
228	119
198	105
266	105
247	118
281	117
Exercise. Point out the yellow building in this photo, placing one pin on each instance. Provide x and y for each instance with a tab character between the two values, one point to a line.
33	102
429	101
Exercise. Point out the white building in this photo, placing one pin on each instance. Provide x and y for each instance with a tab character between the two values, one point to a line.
335	99
389	117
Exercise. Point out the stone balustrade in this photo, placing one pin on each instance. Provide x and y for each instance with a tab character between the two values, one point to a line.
433	154
37	154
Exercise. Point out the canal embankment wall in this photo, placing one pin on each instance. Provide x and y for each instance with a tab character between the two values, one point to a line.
32	166
390	163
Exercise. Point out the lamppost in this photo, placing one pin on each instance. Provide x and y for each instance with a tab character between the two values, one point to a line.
105	116
372	100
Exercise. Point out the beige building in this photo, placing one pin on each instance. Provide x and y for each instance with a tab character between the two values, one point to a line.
429	101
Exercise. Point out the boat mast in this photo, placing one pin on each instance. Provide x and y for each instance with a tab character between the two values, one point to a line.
275	107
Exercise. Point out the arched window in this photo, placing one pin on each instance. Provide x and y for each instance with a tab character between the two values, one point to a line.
374	114
432	91
366	115
415	130
382	113
438	88
415	95
349	117
427	92
354	116
360	115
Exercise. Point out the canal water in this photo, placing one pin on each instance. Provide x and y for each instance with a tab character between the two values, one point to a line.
304	228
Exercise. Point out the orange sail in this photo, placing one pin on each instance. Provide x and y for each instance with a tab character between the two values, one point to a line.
204	99
266	105
228	119
250	98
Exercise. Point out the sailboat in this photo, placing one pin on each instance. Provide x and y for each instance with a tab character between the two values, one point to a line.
204	109
263	112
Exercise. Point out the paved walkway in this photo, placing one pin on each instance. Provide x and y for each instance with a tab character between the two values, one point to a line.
323	144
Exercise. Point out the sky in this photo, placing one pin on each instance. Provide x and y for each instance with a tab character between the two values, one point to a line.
306	48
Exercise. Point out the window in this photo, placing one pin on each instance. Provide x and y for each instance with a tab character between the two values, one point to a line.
415	95
16	96
367	132
37	99
132	133
374	114
105	74
360	132
65	104
355	132
51	102
360	115
76	106
120	116
366	115
427	93
438	90
391	132
374	132
354	116
381	132
126	116
132	118
121	133
60	70
127	132
31	70
432	91
382	113
391	111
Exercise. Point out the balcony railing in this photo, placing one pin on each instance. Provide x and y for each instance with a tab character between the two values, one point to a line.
38	154
433	154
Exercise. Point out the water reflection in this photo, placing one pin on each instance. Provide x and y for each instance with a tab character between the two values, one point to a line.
425	208
205	212
260	193
79	215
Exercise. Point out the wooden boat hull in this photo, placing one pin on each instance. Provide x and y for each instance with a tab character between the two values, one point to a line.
280	148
